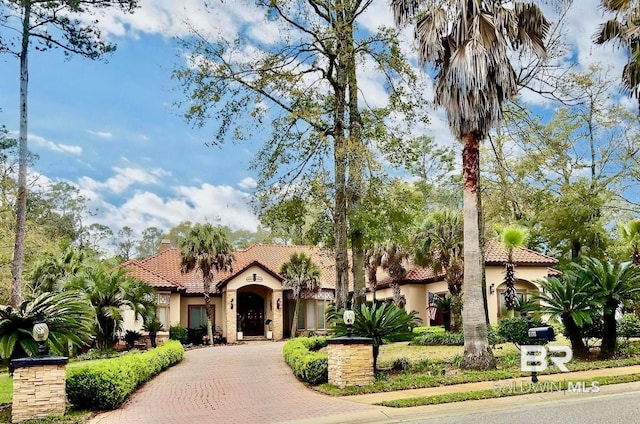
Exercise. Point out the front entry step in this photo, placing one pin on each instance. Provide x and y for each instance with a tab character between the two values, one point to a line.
254	339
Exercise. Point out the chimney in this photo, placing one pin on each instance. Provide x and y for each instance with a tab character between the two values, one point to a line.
165	244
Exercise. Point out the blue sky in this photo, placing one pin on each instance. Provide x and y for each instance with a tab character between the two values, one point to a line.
111	128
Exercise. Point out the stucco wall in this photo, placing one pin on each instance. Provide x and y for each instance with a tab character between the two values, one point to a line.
526	276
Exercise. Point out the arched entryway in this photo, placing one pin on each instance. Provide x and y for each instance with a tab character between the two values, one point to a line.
251	311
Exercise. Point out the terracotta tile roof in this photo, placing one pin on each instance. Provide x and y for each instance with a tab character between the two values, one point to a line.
495	254
166	265
136	270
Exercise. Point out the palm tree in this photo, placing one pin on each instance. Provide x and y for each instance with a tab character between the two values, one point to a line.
511	237
613	283
623	29
50	273
110	293
393	259
570	299
206	248
373	260
68	315
469	43
630	234
300	275
439	245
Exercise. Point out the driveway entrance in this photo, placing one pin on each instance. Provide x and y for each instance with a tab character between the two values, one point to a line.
247	383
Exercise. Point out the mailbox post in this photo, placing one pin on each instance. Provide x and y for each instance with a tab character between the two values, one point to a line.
540	335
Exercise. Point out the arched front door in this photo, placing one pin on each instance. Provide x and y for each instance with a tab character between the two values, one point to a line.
251	308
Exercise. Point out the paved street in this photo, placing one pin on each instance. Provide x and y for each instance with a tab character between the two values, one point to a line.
247	383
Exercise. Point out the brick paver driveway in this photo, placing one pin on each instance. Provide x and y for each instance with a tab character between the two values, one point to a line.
247	383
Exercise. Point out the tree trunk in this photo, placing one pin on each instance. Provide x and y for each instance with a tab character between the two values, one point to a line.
376	352
355	161
294	324
456	313
395	292
573	333
340	161
477	352
610	333
207	306
21	201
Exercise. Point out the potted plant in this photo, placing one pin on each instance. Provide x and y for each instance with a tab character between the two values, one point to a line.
269	332
239	327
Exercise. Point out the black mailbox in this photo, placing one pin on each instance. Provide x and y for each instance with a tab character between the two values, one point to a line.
542	333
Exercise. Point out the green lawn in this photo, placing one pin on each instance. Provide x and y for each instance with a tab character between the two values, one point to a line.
6	388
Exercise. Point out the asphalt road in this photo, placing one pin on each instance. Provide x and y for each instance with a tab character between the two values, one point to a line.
618	403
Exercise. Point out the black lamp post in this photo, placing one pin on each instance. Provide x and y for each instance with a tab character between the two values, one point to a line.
40	333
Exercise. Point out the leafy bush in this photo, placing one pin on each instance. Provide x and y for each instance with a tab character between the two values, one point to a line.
628	326
307	364
516	330
401	364
439	339
432	329
179	333
106	384
131	337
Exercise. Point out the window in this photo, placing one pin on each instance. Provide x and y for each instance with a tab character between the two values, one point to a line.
198	316
311	314
162	311
520	297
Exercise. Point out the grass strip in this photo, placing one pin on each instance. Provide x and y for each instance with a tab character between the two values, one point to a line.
504	391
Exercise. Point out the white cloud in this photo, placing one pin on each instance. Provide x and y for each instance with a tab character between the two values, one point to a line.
101	134
123	179
248	183
54	147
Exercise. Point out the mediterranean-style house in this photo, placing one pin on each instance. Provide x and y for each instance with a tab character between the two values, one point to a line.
250	301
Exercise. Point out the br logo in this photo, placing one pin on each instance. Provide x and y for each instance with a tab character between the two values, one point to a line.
534	358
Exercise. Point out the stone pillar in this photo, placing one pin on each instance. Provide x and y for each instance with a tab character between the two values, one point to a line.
278	313
231	315
39	387
350	361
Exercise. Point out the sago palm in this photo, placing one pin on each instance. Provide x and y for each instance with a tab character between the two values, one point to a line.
206	249
614	282
469	43
300	275
68	315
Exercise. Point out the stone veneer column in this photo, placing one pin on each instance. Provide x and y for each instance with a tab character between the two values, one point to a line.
39	387
278	324
350	361
231	315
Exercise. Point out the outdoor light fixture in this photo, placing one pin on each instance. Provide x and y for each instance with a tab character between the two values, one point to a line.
231	304
349	317
278	304
492	289
40	333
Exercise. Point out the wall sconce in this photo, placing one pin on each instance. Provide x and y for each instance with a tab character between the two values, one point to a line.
278	304
254	277
492	288
231	304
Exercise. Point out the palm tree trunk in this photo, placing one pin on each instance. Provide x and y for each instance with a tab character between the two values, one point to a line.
21	201
573	333
610	333
456	313
207	306
477	352
294	323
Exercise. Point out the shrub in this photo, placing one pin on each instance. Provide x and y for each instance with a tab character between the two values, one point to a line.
432	329
131	337
516	330
401	364
307	364
628	326
179	333
106	384
439	339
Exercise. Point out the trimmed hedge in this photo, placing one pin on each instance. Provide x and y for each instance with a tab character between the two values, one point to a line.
437	338
307	364
105	384
430	330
